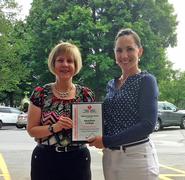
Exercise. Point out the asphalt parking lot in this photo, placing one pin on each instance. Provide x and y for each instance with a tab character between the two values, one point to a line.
16	148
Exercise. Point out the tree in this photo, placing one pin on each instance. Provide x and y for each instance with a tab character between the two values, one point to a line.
92	25
12	70
172	90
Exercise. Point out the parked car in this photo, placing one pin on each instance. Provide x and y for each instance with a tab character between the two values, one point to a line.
22	121
8	115
169	115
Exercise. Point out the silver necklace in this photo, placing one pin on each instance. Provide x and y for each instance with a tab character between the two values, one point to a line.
63	94
122	79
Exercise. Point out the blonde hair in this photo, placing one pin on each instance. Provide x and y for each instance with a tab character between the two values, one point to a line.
68	49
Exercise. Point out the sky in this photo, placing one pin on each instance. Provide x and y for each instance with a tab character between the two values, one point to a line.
175	55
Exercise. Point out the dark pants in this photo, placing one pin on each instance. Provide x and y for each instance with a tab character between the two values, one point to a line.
47	164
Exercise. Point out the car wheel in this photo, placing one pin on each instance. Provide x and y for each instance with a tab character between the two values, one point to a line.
182	126
19	127
1	124
157	125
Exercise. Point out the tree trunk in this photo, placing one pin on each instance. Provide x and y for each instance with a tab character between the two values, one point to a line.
10	96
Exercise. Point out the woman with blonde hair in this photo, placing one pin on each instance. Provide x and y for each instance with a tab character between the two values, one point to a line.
56	157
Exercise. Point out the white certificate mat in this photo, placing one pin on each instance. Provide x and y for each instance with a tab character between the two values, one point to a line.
87	121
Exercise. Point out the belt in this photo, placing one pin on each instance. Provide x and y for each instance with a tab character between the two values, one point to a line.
62	148
123	147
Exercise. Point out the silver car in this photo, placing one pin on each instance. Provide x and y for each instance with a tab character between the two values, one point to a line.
8	115
22	120
169	115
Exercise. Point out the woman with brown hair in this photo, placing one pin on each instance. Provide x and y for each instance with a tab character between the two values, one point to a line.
130	114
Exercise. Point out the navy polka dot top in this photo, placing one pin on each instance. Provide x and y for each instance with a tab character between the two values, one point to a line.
130	112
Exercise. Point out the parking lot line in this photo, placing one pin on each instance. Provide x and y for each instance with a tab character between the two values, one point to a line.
166	176
3	169
163	177
173	169
169	176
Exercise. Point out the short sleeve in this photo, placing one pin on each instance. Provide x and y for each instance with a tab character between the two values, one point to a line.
37	96
88	95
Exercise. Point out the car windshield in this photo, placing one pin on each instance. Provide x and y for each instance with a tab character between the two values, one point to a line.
170	106
13	110
166	106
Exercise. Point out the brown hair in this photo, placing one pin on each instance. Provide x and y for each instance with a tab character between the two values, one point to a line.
128	31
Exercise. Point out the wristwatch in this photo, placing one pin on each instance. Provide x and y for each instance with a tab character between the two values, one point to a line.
50	128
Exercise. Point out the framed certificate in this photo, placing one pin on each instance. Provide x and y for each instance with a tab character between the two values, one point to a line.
87	121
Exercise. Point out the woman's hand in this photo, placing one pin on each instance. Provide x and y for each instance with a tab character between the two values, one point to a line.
62	123
96	141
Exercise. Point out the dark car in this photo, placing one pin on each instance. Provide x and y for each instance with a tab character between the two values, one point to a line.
169	115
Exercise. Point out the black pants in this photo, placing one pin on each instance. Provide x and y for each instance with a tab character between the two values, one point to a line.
48	164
